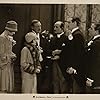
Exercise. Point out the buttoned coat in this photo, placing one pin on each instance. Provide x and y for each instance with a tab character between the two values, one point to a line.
29	80
73	56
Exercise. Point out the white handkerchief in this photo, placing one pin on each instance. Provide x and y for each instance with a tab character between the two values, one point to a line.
90	42
63	44
70	37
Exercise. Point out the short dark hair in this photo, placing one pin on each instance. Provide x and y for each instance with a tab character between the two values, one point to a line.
77	19
97	27
34	21
62	25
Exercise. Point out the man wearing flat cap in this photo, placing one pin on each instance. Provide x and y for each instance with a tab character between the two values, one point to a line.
93	59
7	57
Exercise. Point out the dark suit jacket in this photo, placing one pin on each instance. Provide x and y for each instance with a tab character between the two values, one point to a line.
93	61
45	44
45	76
73	56
62	43
59	43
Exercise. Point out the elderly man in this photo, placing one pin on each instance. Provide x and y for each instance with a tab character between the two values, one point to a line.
7	57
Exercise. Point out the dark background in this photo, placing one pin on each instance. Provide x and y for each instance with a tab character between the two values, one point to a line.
23	14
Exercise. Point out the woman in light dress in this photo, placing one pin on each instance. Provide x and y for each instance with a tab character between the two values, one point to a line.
7	57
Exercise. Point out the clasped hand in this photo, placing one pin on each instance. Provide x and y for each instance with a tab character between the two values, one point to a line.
89	82
71	70
56	52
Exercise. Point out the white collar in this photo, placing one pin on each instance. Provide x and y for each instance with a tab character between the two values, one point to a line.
38	37
73	30
96	36
90	42
59	35
34	32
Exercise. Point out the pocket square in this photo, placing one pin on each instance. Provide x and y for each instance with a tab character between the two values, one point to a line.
70	37
63	44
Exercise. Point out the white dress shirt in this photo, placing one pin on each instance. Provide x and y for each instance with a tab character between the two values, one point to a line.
59	35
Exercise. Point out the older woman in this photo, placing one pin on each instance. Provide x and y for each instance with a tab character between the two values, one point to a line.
6	57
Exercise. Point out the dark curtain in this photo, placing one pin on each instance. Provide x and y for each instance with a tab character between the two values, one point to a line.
23	14
88	19
58	12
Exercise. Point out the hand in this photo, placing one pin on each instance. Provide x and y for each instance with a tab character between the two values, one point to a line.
71	71
55	57
13	57
40	49
31	69
56	52
14	42
90	43
37	70
3	58
89	82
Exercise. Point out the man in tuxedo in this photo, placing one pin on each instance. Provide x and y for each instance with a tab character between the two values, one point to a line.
93	59
58	43
43	42
46	73
36	29
73	56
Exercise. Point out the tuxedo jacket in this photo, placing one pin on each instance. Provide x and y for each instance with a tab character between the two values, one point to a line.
62	43
73	56
93	61
58	42
45	44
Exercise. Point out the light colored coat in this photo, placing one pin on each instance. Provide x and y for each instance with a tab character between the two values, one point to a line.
6	66
29	81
